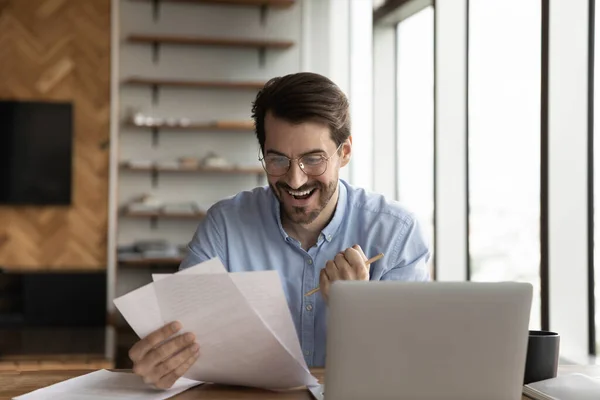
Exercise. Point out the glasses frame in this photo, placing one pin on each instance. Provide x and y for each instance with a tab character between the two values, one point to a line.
297	159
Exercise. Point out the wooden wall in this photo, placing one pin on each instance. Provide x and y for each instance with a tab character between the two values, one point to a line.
60	50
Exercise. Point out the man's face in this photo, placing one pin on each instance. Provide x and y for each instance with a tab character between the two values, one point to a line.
303	197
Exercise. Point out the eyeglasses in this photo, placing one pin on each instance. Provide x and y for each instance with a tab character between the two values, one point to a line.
310	164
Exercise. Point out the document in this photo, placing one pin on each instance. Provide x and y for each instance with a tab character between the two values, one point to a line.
106	385
241	321
565	387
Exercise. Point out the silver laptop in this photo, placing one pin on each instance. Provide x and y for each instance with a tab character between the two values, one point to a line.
426	340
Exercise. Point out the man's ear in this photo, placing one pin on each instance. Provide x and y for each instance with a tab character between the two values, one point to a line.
346	151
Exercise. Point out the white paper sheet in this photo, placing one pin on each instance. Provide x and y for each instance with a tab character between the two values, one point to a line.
236	347
263	291
140	307
241	321
106	385
565	387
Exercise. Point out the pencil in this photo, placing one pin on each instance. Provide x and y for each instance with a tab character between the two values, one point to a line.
369	261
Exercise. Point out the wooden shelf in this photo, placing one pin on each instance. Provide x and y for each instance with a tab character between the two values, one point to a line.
210	41
265	3
162	214
232	171
195	84
143	262
217	126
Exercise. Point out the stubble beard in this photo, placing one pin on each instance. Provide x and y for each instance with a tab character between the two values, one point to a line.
301	215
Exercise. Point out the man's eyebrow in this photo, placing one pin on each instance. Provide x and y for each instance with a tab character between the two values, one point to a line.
314	151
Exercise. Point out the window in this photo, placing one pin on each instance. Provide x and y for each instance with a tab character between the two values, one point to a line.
415	116
504	72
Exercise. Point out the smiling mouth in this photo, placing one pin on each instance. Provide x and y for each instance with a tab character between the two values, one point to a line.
301	195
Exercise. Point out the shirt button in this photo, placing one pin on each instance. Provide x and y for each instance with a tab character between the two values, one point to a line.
329	237
309	261
306	352
309	307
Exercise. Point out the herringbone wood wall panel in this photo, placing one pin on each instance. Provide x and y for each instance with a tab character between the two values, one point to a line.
60	50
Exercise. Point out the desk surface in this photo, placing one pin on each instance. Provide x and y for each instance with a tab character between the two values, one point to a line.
16	383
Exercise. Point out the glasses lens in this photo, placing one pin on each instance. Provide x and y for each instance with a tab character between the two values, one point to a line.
313	165
275	165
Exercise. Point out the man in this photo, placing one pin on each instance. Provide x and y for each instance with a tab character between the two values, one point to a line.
309	225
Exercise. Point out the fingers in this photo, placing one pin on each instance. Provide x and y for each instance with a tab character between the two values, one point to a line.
139	350
160	354
331	270
169	365
356	258
360	250
169	379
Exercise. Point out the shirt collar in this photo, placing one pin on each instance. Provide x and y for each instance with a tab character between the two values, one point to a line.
330	229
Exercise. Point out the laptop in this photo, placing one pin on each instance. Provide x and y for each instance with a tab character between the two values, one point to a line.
426	340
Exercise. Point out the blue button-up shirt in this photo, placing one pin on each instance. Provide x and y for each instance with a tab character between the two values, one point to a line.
245	232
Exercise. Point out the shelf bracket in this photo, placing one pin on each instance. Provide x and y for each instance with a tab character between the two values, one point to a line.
153	222
155	9
155	52
262	55
264	9
154	94
154	136
154	177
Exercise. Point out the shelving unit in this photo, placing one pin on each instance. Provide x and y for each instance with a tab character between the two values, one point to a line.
207	81
147	262
208	170
210	41
260	44
162	214
217	126
156	83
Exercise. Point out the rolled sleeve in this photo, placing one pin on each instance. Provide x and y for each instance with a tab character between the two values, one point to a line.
207	242
411	255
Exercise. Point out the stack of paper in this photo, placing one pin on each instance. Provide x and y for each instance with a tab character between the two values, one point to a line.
241	321
564	387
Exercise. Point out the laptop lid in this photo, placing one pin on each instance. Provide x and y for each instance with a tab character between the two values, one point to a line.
427	340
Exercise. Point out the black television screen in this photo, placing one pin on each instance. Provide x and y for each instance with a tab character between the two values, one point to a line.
36	144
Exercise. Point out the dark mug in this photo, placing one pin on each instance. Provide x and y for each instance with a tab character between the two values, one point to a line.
542	356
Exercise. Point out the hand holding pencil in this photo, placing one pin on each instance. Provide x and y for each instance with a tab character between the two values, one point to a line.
350	264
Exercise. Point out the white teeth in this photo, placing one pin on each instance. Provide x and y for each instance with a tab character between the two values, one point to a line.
304	193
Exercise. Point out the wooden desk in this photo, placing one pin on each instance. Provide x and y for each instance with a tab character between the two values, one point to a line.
16	383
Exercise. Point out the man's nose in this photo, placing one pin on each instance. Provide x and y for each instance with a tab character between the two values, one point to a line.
295	176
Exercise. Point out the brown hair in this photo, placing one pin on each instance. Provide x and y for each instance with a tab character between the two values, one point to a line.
303	97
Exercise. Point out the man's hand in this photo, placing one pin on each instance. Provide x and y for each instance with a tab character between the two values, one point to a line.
161	359
348	265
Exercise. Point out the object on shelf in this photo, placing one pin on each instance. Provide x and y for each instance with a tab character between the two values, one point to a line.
137	118
190	208
213	160
144	203
151	252
140	163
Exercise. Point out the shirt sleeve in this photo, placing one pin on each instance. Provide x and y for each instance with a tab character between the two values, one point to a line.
207	242
411	255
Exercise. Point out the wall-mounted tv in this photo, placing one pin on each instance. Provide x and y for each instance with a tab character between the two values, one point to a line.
36	152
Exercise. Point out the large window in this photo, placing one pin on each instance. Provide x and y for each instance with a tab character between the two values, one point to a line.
504	143
415	116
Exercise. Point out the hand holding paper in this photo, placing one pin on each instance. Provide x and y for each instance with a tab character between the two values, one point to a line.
240	320
161	359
